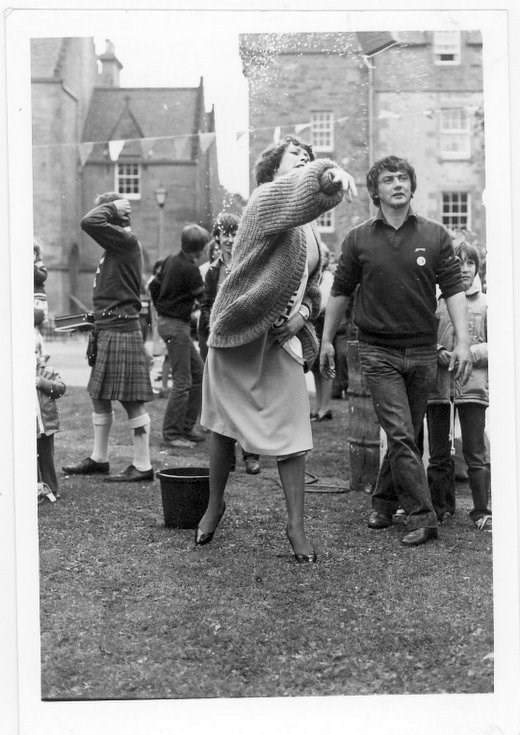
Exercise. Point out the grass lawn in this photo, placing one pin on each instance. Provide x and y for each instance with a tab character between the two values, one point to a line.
132	609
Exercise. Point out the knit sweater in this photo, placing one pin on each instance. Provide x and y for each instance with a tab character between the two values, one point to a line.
269	257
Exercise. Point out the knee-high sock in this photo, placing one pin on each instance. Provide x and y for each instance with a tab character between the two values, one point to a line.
140	426
102	423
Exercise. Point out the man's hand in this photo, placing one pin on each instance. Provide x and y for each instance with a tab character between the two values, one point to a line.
327	363
123	207
461	360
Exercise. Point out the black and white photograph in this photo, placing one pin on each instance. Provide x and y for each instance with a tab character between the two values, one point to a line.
266	479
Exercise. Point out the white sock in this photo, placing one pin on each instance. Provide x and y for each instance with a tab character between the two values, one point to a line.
140	426
102	423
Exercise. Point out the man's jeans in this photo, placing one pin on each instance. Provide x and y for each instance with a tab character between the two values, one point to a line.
441	467
399	381
183	409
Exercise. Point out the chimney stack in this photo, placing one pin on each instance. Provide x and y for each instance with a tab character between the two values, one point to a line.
110	66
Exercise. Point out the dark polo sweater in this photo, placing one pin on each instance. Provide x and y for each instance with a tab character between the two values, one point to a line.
176	287
397	272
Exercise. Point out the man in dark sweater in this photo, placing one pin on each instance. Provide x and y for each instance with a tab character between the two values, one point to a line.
121	369
397	258
174	291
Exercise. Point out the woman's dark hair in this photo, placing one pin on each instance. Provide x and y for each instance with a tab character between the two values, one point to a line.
389	163
268	161
465	251
225	222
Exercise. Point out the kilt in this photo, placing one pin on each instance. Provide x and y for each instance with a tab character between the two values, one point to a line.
122	369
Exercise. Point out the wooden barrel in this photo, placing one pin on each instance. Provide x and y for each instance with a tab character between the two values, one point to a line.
364	441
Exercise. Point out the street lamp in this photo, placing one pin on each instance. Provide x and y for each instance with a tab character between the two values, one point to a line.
160	198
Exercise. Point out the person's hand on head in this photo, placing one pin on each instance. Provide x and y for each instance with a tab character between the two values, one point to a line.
123	208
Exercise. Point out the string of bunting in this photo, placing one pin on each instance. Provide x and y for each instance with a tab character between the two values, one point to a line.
161	145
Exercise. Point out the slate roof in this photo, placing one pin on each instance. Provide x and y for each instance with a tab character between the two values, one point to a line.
45	57
127	112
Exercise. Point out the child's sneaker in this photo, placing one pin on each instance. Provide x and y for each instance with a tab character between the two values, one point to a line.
484	523
400	517
44	492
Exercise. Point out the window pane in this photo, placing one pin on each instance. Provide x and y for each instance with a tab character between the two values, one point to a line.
128	179
322	130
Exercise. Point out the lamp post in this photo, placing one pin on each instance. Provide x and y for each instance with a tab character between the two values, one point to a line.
160	198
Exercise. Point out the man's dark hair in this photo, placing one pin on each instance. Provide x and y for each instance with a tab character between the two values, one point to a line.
389	163
268	161
194	239
466	251
225	223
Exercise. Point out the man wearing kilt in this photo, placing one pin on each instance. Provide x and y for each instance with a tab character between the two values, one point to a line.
121	369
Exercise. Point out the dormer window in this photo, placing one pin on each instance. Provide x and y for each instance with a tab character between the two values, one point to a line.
128	180
446	48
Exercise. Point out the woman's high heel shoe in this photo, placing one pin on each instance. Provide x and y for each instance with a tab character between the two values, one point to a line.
302	558
202	538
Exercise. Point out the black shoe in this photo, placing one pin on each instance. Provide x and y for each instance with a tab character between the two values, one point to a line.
252	466
132	474
419	536
194	436
202	538
378	520
87	466
327	416
302	558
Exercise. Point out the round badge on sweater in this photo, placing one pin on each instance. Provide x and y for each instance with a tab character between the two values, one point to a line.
421	260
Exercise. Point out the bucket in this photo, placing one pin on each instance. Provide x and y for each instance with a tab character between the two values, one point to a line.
185	495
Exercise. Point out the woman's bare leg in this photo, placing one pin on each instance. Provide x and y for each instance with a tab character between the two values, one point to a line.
221	455
292	477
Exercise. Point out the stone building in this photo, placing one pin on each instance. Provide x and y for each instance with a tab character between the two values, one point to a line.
359	96
156	146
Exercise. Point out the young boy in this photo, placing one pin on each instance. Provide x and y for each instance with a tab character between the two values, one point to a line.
469	401
49	387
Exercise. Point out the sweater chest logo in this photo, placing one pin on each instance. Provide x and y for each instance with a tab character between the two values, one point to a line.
421	260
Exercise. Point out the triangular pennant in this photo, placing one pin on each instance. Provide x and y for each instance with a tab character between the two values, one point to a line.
298	128
387	115
85	149
114	148
205	140
179	146
146	146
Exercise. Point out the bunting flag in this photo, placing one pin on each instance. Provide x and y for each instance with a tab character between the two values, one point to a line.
85	149
387	115
205	140
114	148
147	145
180	146
177	146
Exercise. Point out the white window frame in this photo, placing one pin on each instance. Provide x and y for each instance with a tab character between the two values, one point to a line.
455	133
322	131
455	209
325	221
446	48
119	177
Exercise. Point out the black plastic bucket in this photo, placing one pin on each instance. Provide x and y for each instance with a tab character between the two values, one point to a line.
185	495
